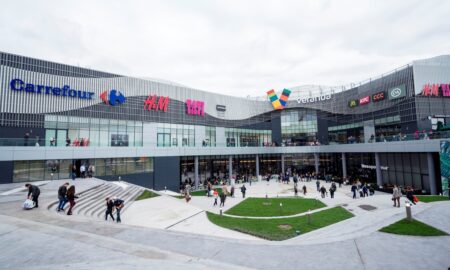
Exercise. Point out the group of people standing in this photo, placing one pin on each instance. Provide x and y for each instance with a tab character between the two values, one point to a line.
86	170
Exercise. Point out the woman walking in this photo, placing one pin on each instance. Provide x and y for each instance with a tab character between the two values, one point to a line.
396	195
71	197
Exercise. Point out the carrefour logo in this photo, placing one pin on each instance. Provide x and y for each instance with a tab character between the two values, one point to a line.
278	103
112	97
64	91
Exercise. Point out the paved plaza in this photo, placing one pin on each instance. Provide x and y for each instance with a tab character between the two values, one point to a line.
167	233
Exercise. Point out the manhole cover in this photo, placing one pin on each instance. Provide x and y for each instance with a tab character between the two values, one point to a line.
345	205
267	203
351	210
367	207
284	227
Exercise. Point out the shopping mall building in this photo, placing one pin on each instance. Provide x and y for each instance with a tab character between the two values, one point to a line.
386	130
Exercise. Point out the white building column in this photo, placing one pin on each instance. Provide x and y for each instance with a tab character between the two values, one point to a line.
316	162
431	174
378	169
196	178
344	165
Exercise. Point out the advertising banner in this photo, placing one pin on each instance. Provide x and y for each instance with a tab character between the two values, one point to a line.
444	157
397	92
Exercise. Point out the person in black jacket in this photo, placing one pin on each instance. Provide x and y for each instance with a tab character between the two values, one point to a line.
33	193
62	196
118	203
109	208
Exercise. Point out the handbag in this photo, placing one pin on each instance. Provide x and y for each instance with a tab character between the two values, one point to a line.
28	204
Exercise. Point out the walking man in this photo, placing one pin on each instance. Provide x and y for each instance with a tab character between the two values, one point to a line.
396	195
354	188
318	185
243	189
109	208
62	196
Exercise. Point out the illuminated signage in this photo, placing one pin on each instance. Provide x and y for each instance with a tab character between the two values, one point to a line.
195	107
314	99
397	92
353	103
64	91
364	100
437	90
378	96
278	103
112	97
156	103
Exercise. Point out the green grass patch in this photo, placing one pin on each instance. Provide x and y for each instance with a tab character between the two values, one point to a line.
431	198
198	193
146	194
281	228
414	227
262	207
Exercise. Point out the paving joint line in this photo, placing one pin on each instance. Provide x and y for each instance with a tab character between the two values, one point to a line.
170	226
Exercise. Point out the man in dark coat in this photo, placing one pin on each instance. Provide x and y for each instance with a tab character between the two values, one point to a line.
62	196
33	193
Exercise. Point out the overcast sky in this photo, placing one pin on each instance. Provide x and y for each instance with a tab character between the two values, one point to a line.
234	47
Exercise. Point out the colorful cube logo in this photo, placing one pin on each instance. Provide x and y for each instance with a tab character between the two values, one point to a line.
278	103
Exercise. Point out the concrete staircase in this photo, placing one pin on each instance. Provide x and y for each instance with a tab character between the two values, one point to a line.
91	202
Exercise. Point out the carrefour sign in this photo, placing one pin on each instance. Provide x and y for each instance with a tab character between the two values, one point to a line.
64	91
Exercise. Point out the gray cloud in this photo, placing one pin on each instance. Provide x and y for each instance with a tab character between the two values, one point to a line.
234	47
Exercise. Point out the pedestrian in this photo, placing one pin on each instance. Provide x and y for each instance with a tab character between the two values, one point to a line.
26	138
118	203
209	189
33	193
71	198
232	191
365	191
67	141
332	190
62	196
318	185
295	190
353	189
223	197
109	208
323	191
304	190
74	172
410	194
83	170
396	195
90	170
243	189
215	195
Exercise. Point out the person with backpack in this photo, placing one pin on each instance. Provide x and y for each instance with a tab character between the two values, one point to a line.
109	208
243	189
62	196
33	193
323	191
71	198
365	190
118	203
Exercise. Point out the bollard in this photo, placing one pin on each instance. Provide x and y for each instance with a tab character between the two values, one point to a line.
297	232
408	211
309	216
220	211
51	176
281	205
266	196
120	178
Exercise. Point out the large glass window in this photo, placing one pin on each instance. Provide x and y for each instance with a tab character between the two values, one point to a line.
298	127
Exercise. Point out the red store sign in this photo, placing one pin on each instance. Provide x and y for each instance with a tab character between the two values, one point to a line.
156	103
195	107
437	90
364	100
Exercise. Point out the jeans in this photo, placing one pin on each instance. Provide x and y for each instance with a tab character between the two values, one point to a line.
62	202
118	214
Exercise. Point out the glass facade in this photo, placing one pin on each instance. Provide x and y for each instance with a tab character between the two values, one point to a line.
239	137
173	135
35	170
298	127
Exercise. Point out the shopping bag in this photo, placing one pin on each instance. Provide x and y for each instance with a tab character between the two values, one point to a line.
415	199
28	204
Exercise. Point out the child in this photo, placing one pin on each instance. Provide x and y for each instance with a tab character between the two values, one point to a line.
215	195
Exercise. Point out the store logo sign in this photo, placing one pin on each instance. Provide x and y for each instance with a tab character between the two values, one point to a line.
112	97
65	91
353	103
437	90
195	107
278	103
364	100
397	92
314	99
379	96
221	108
156	103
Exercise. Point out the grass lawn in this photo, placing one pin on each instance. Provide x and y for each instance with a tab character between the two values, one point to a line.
198	193
281	228
262	207
431	198
414	227
146	194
